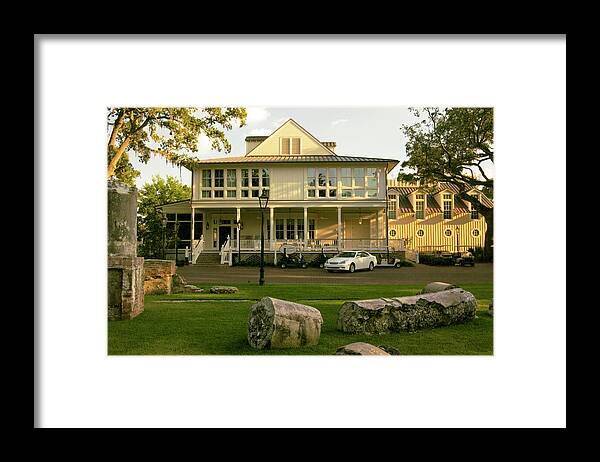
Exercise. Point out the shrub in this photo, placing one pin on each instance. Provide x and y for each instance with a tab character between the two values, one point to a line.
435	260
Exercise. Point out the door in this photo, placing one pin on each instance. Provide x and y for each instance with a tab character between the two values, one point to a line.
363	260
224	231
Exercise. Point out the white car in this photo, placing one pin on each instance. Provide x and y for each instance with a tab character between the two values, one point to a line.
351	260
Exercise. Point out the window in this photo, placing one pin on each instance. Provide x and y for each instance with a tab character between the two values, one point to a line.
475	233
265	178
475	213
255	178
447	206
198	225
279	228
392	233
206	194
420	233
392	206
321	182
359	182
219	193
311	228
420	207
448	233
231	178
371	182
231	193
219	179
290	229
300	226
290	146
245	182
206	175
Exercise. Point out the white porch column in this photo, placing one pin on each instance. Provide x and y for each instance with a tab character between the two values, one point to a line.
192	237
272	227
238	217
305	226
339	227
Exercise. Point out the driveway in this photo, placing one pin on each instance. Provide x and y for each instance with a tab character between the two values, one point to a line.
420	274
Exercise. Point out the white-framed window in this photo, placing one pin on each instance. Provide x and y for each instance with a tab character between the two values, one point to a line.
231	183
279	228
420	233
290	229
245	183
447	199
290	146
420	206
321	182
392	233
359	182
475	232
392	205
475	213
300	228
448	232
311	228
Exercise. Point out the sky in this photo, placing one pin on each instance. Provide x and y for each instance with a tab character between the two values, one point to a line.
357	131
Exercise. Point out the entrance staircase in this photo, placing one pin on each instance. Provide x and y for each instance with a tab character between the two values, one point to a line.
208	259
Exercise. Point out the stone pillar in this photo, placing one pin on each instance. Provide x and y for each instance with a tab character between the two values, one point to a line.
125	268
122	213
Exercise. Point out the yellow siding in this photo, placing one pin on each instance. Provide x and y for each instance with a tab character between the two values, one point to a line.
290	129
287	183
406	226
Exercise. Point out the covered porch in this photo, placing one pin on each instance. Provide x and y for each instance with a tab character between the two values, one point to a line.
307	229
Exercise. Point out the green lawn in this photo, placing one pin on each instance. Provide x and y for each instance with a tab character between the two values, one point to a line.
217	326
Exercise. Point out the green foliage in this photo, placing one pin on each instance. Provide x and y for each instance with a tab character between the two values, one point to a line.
218	325
453	145
168	132
125	172
149	222
435	260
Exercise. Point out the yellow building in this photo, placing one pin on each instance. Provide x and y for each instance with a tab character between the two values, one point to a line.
319	200
434	218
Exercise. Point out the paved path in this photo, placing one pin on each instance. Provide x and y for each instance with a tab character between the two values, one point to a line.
420	274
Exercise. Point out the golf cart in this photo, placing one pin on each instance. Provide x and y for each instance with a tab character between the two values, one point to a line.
291	258
463	259
390	263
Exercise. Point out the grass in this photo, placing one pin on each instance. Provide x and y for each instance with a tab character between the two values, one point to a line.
211	324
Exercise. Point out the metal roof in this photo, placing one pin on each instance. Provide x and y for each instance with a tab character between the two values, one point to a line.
292	159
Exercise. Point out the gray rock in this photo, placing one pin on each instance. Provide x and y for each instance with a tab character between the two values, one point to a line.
223	290
361	348
389	349
275	323
192	288
437	287
383	315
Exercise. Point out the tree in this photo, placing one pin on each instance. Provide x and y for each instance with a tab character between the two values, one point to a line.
455	146
149	222
168	132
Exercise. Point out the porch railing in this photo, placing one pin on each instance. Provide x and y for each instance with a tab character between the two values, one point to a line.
226	252
411	255
198	248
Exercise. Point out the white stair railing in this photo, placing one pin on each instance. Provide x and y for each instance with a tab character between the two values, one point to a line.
197	249
225	253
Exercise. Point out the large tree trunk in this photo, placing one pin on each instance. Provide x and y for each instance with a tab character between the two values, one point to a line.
383	315
275	323
489	234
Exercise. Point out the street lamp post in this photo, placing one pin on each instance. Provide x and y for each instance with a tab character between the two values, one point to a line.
176	236
164	229
263	201
240	226
457	248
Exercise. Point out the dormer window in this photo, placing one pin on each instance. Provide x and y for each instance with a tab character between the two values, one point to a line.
447	199
290	146
475	213
420	206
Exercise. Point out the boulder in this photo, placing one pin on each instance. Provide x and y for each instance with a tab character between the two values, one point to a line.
361	348
223	290
275	323
383	315
437	287
192	288
178	284
389	349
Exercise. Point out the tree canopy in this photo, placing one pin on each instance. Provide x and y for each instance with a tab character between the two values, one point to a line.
149	223
453	145
168	132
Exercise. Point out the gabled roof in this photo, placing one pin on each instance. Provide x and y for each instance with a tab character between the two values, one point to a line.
299	127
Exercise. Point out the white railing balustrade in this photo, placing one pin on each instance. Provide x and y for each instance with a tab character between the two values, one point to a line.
411	255
225	252
198	248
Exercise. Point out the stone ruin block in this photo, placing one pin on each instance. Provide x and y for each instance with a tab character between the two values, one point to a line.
158	276
125	287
